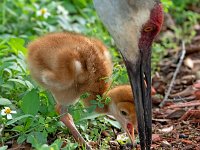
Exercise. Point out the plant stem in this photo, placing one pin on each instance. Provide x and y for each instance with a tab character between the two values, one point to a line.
4	13
175	74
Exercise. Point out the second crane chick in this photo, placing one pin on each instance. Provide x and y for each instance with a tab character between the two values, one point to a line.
70	64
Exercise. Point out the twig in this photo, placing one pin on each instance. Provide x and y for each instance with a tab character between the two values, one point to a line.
186	104
190	98
160	120
175	74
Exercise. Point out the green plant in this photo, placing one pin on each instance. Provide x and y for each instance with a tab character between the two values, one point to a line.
36	122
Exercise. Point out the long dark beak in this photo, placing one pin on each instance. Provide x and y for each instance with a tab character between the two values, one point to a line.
140	72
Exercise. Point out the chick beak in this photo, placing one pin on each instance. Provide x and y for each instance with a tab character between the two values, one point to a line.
130	131
140	72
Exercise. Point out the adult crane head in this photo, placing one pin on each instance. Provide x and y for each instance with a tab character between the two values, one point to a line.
133	24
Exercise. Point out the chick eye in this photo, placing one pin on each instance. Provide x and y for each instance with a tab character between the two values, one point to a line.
148	29
124	113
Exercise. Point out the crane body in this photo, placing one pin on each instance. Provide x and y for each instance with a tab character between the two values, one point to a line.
134	24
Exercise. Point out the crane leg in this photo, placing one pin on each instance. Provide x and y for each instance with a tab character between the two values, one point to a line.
67	119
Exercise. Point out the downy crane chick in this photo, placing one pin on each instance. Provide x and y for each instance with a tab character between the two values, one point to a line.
70	64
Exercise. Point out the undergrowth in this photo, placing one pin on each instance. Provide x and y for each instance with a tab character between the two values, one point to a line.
35	120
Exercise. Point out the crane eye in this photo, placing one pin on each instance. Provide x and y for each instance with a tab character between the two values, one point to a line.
124	113
148	29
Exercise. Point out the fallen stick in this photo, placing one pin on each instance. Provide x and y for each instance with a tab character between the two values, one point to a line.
186	104
174	75
189	98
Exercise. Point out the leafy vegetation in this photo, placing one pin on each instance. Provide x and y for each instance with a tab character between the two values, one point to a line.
37	123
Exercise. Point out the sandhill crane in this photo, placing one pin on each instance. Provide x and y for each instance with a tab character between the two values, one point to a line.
133	24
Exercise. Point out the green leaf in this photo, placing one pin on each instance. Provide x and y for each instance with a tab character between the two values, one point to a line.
7	86
85	95
29	84
71	146
3	147
71	7
4	101
93	102
17	118
92	115
100	105
8	71
77	114
91	108
36	139
32	140
99	97
29	122
107	100
18	81
17	44
57	144
18	128
113	123
21	138
31	102
50	98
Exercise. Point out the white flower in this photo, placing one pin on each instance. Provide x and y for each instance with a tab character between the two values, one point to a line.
7	112
43	12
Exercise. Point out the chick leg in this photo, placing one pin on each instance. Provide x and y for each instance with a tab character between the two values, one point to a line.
68	121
